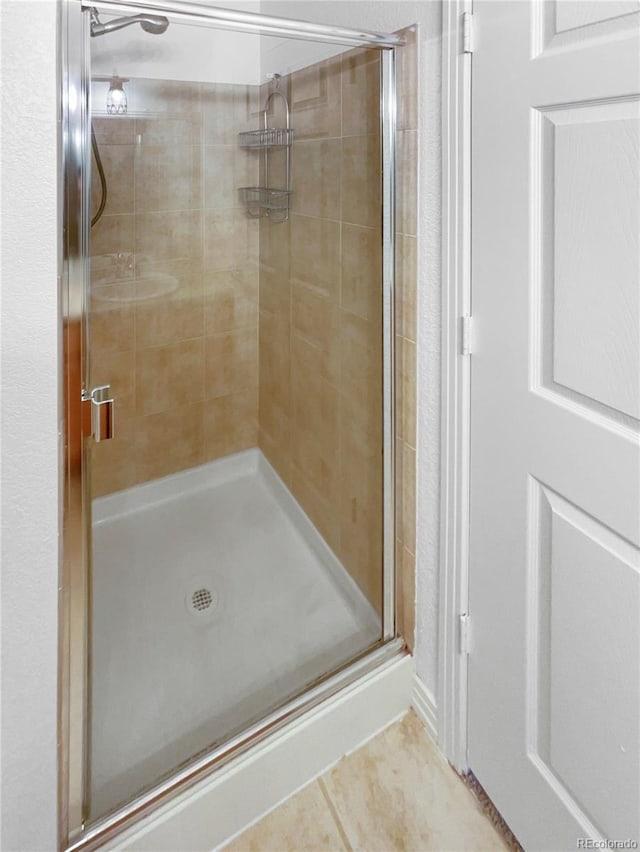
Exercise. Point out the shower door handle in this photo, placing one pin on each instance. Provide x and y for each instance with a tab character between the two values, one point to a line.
101	403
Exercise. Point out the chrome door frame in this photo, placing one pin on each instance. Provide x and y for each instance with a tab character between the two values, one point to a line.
74	610
74	644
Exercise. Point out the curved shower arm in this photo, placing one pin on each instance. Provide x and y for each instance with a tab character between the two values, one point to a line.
98	28
155	23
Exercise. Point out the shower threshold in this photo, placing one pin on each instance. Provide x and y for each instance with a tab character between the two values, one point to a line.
214	600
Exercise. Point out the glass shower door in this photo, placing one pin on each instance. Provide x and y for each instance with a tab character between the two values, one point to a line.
236	314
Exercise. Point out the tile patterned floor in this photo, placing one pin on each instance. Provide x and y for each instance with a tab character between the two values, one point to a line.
395	794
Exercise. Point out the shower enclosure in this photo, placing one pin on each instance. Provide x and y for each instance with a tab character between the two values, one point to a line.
228	344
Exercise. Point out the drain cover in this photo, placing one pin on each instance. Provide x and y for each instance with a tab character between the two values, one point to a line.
201	599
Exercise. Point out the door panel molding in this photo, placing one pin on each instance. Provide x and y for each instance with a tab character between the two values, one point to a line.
563	700
559	357
554	28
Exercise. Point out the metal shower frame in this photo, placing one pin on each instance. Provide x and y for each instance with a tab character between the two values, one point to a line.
74	185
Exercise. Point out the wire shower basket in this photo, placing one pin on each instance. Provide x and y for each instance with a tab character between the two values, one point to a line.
267	200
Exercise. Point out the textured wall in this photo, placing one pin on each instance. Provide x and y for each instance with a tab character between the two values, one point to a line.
182	363
388	16
29	426
320	313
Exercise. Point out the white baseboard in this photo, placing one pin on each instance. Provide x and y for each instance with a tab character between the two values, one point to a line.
424	703
210	814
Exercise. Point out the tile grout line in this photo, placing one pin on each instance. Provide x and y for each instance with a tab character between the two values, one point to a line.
334	813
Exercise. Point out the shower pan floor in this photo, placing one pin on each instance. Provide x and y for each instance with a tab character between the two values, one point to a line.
214	599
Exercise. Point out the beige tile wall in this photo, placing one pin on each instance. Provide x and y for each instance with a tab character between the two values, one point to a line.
182	363
320	413
406	333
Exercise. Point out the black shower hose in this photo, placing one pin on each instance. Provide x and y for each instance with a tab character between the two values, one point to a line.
103	180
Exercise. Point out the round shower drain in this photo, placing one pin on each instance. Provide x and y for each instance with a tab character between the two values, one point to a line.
201	599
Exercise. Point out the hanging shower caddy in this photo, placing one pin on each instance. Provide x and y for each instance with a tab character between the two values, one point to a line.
267	200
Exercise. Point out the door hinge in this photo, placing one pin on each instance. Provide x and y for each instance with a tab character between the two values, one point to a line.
467	32
466	329
463	633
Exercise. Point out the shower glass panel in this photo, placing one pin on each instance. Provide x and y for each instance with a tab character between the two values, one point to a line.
236	312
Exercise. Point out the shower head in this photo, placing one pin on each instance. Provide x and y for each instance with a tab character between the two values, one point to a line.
155	24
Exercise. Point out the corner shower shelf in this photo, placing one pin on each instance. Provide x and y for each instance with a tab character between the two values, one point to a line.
258	198
270	137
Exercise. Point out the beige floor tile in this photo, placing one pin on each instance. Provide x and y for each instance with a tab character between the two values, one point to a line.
398	793
302	824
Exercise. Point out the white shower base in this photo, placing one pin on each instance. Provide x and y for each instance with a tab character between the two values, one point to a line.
169	681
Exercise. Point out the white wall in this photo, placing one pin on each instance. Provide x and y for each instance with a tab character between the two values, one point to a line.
29	429
388	16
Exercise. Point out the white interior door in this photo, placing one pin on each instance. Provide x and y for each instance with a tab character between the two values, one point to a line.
554	668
